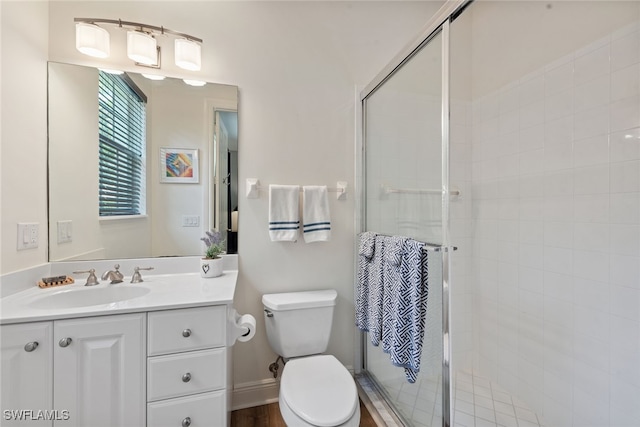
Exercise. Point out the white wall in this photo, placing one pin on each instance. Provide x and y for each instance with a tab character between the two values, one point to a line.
73	124
23	170
296	65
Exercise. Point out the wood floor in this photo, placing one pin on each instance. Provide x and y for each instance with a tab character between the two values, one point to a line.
269	416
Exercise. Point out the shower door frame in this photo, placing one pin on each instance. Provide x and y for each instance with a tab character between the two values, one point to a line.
439	23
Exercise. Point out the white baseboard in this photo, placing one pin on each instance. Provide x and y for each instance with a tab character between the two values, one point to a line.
255	393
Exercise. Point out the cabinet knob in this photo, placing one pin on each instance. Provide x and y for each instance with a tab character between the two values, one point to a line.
186	333
64	342
186	422
186	377
30	346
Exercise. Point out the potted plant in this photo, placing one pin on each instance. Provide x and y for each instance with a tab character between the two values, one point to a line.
211	264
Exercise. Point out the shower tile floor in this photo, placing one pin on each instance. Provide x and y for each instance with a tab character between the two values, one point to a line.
478	402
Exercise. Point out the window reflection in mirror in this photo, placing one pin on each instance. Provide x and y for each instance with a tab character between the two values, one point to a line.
172	216
122	118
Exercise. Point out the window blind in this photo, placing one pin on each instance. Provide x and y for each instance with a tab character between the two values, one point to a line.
122	136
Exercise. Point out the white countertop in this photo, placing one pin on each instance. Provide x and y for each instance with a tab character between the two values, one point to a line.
165	291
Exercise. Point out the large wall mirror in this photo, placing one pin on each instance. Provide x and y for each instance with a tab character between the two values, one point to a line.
138	167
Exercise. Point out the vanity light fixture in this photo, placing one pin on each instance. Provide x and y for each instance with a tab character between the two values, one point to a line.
109	71
196	83
188	54
142	44
92	40
153	76
142	48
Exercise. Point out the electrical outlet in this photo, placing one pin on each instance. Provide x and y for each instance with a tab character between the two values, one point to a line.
28	234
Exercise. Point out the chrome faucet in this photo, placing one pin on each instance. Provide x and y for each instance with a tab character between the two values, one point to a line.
114	275
137	277
92	280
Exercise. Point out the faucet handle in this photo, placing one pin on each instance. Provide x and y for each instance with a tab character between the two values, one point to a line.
92	280
137	277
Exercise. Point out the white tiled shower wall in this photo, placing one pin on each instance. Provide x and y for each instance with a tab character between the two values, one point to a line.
555	235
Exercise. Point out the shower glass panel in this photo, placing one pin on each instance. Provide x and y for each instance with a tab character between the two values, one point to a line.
404	149
403	153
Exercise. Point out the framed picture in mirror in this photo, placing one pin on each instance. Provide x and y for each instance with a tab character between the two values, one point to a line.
179	165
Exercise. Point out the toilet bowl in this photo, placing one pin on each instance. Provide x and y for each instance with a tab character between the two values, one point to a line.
316	390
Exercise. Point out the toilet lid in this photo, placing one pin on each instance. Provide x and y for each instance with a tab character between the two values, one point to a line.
320	390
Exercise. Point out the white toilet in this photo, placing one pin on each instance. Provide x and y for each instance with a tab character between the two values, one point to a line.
315	389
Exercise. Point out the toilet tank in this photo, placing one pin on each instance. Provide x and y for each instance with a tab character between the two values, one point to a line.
299	323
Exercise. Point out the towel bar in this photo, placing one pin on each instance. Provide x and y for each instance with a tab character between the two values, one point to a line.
254	187
388	190
431	247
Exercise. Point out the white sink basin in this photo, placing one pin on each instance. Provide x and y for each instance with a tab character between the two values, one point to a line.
87	296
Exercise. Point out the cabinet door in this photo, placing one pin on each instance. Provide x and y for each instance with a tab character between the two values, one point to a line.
100	370
26	372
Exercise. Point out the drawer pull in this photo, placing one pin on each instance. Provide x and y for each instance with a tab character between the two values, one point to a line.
30	346
186	377
186	333
64	342
186	422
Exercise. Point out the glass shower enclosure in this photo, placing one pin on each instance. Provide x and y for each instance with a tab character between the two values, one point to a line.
511	130
405	176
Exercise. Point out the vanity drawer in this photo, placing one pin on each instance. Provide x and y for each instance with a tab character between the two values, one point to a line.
172	331
207	409
186	373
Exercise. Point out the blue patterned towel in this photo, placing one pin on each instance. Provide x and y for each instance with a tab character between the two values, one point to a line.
376	289
366	247
408	309
392	276
366	244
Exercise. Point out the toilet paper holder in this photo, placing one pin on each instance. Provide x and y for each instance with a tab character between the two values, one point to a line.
240	327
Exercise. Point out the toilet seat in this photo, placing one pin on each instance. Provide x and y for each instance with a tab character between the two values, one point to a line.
319	390
292	420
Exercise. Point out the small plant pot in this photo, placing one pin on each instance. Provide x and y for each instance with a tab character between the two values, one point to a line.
210	267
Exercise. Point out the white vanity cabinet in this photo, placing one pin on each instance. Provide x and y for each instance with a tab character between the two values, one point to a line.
156	359
187	372
26	371
78	372
96	369
99	370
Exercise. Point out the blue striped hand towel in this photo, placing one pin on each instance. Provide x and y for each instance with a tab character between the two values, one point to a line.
284	212
315	214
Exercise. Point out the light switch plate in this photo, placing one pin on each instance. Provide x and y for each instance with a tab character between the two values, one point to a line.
190	221
65	231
